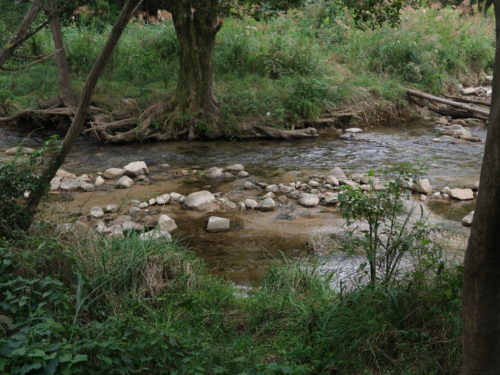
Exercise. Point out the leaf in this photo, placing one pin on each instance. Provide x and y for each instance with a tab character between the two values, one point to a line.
51	367
80	358
27	368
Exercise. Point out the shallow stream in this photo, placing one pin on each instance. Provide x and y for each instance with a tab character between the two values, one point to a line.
255	238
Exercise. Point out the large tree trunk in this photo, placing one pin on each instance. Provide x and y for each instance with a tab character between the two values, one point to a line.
481	291
83	105
196	32
66	93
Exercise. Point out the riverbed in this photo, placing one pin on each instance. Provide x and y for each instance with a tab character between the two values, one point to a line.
258	238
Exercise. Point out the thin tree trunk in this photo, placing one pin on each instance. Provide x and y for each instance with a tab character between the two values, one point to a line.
196	31
66	93
84	102
22	32
481	291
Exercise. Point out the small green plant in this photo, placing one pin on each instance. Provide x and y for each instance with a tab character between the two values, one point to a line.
389	232
17	178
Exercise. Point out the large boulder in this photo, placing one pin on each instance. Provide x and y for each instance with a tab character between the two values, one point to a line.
136	168
166	223
308	200
63	174
199	200
218	224
461	194
422	186
112	173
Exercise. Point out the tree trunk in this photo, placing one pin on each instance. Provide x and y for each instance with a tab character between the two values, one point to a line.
196	31
481	291
66	93
80	117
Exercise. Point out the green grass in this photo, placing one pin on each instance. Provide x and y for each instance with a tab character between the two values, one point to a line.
80	304
299	65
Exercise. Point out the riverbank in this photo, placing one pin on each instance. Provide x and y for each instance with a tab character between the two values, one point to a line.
303	68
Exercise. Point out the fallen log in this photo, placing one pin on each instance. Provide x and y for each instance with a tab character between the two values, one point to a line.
469	100
481	112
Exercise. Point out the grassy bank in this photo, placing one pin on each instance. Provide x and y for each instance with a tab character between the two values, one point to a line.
301	65
76	305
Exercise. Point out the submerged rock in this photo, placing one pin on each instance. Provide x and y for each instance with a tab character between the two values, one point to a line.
218	224
21	150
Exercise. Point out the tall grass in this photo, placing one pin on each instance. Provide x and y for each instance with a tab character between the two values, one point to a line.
298	65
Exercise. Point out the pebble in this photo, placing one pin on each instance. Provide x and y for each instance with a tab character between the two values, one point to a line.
308	200
166	223
267	204
96	212
124	182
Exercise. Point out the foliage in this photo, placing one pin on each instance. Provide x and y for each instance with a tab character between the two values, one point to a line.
393	232
17	178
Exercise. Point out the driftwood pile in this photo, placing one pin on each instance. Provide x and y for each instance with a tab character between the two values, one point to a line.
453	106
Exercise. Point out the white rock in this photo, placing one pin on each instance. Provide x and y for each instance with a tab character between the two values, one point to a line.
156	235
55	183
348	182
267	204
111	208
112	173
229	176
163	199
62	173
468	90
462	194
338	173
247	185
99	181
422	186
218	224
143	205
87	187
269	194
136	168
467	220
243	174
330	198
96	212
251	204
166	223
130	225
152	201
308	200
285	189
332	180
137	213
313	183
214	173
124	182
21	150
353	130
273	188
236	168
69	184
199	200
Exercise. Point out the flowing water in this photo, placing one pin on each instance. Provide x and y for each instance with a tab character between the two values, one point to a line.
241	254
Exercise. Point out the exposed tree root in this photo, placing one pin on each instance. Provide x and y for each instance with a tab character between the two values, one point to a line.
160	122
